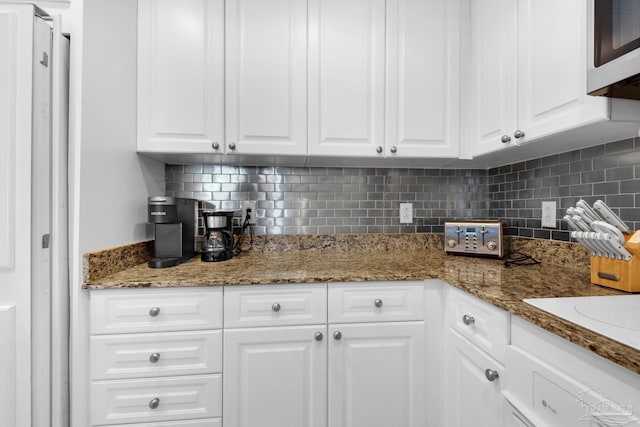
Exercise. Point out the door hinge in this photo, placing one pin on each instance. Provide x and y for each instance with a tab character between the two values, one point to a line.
45	240
45	59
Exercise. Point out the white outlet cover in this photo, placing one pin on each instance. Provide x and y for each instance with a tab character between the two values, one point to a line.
406	213
549	214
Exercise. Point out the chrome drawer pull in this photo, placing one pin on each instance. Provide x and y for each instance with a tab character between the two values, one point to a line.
154	358
468	320
154	403
378	303
154	311
275	307
318	336
491	374
337	335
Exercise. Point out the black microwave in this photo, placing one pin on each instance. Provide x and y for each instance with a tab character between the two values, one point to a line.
614	48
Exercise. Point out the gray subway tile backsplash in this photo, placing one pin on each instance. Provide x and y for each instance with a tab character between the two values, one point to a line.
317	200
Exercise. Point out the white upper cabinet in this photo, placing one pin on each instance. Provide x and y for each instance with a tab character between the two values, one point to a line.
384	78
552	64
180	75
266	77
218	77
493	80
528	63
423	86
346	77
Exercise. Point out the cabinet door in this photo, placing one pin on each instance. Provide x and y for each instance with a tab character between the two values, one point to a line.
266	72
493	84
470	398
180	75
552	80
423	78
346	77
376	375
275	377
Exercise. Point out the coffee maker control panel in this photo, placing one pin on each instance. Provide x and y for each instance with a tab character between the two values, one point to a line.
474	238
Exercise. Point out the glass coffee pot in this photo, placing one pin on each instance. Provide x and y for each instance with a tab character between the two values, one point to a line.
218	241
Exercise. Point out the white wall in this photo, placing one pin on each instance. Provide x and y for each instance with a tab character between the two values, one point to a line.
114	181
109	183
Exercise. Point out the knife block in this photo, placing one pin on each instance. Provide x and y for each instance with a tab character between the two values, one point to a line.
619	274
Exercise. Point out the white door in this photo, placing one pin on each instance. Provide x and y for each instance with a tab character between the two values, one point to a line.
552	81
346	77
376	375
471	399
492	79
423	85
266	77
180	76
275	377
16	71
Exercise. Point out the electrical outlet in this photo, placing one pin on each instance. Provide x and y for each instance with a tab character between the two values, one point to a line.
549	214
249	204
406	213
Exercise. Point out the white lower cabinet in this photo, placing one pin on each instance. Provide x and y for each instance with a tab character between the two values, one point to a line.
472	398
369	373
156	357
276	377
337	355
376	375
476	337
156	399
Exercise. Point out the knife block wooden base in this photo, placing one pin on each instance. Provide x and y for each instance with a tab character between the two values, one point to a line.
618	274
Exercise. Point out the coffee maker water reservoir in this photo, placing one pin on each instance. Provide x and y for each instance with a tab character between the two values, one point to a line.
175	223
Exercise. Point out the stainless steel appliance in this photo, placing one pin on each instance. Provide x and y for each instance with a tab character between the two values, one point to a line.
175	223
218	242
614	48
474	238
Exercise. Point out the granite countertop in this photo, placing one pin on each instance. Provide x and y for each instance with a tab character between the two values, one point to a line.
422	258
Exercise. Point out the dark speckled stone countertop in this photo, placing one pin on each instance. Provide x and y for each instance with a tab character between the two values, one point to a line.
399	257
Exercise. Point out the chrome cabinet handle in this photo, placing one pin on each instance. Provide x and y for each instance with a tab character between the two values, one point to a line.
378	303
318	336
468	320
505	139
215	145
379	149
154	403
276	307
232	146
337	335
154	358
154	311
491	374
394	149
518	134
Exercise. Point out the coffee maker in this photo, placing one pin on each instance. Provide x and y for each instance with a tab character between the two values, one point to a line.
175	223
218	242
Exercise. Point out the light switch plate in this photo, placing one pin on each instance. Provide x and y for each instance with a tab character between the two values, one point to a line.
549	214
406	213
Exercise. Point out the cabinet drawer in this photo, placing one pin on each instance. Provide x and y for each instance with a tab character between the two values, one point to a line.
481	323
278	305
211	422
376	302
161	310
156	354
178	398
